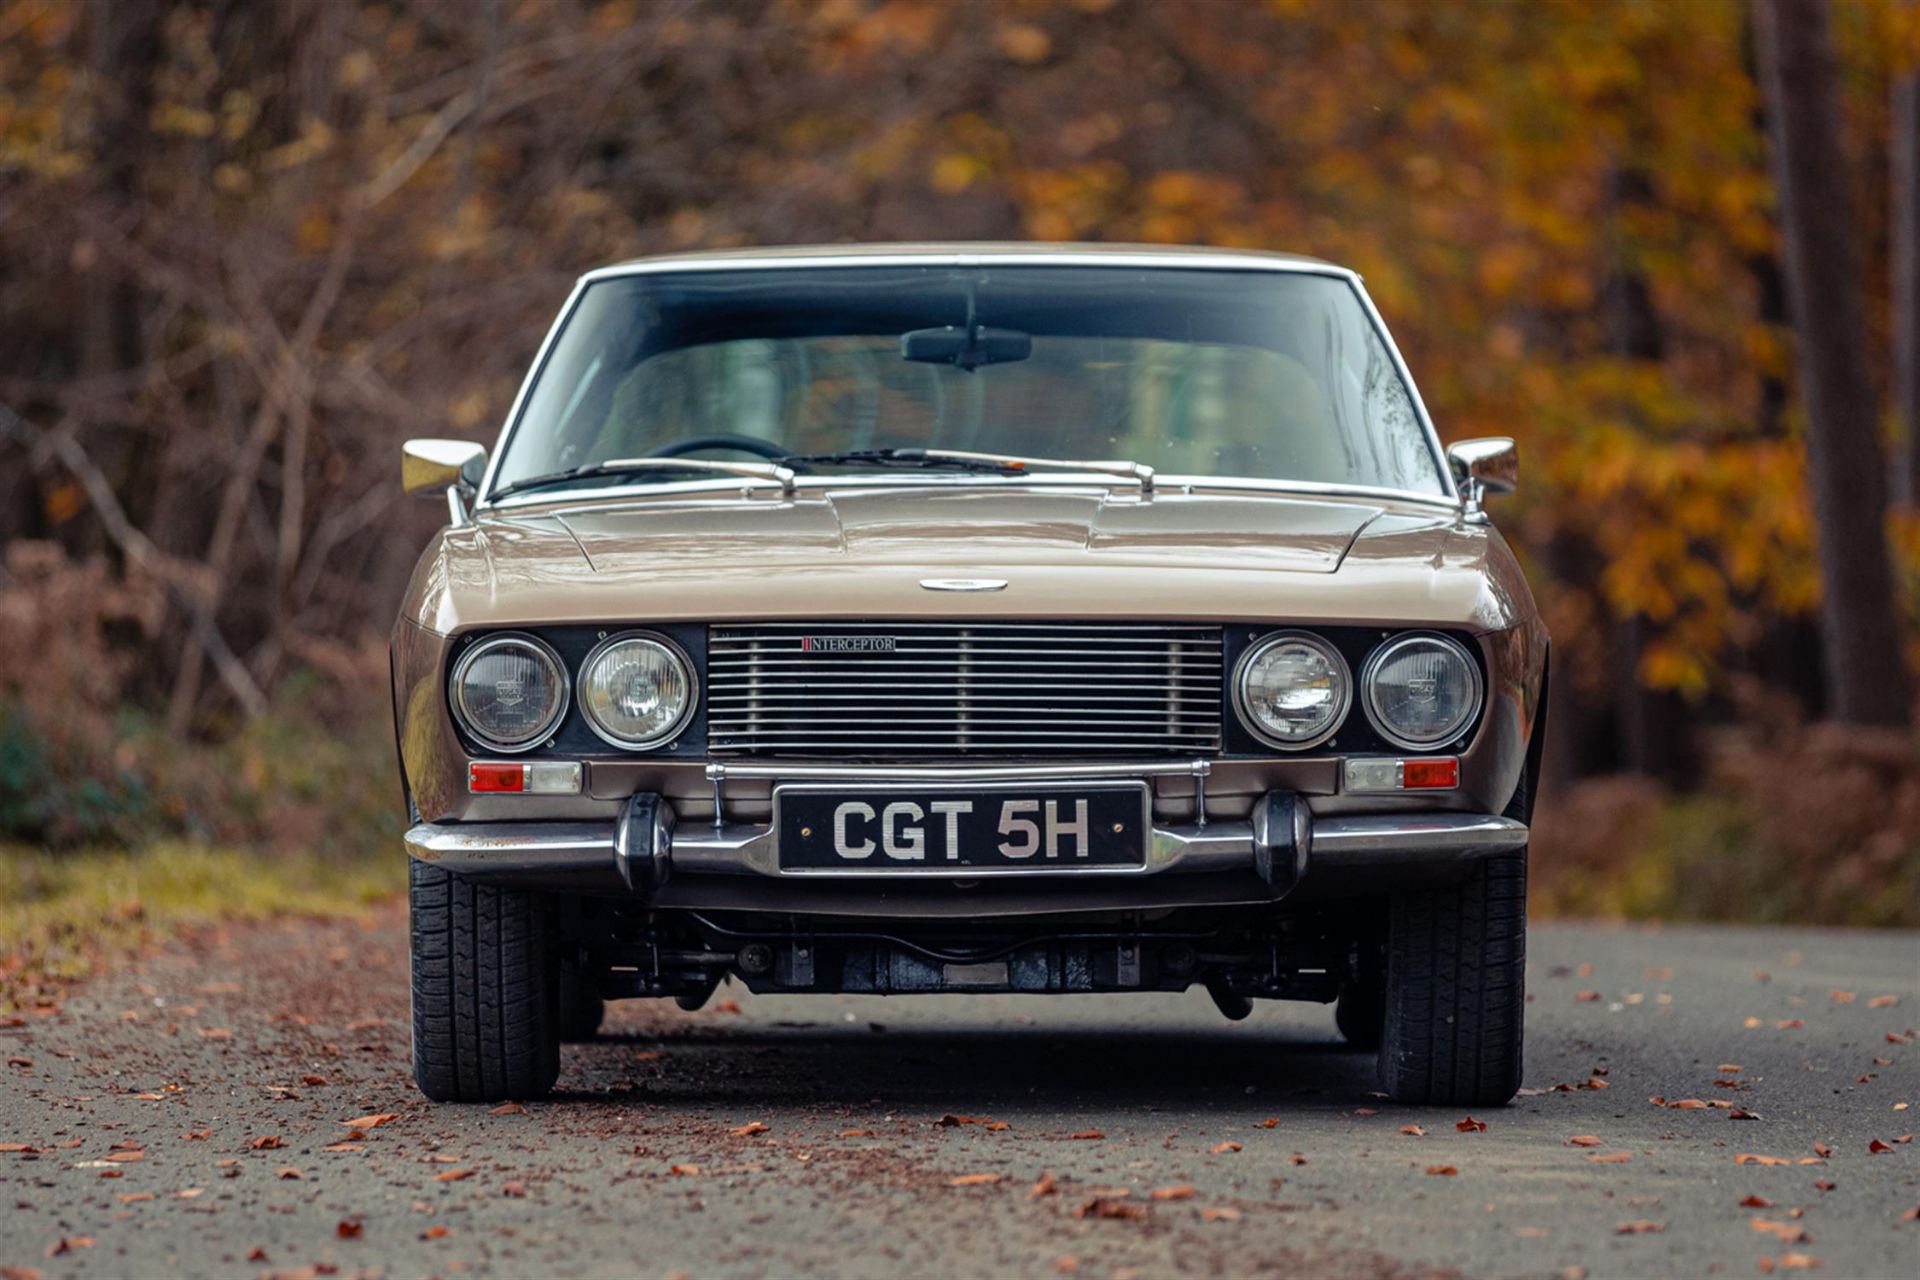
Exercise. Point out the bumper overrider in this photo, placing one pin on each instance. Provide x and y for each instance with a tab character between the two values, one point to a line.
1280	847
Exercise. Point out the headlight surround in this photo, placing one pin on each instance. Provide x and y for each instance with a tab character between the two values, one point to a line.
509	692
637	690
1421	691
1292	690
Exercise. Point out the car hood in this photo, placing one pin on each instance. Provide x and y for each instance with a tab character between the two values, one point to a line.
1060	552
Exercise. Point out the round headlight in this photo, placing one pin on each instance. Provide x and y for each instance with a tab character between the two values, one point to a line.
509	692
1421	691
637	691
1292	690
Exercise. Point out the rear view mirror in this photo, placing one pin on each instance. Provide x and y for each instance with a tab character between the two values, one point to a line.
967	347
429	465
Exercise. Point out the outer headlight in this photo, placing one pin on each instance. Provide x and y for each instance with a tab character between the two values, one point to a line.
509	692
1292	690
1421	690
637	690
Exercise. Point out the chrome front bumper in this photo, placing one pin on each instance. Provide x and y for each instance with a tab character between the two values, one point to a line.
698	864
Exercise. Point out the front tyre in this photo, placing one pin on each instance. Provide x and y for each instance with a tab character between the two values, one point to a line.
1455	991
485	990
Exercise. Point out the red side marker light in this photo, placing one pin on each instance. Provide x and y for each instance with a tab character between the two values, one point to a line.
1443	772
496	777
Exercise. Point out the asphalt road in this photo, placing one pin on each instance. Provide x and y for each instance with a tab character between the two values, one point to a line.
191	1115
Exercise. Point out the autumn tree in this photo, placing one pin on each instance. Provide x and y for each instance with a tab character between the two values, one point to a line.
1866	672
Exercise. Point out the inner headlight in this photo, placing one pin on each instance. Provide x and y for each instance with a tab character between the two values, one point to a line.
1292	690
509	692
1421	690
637	690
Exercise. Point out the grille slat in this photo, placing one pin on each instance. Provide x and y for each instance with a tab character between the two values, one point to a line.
964	688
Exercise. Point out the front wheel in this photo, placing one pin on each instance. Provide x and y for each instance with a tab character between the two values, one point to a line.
1455	989
485	990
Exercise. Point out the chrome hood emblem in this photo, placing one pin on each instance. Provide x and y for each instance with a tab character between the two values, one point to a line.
964	584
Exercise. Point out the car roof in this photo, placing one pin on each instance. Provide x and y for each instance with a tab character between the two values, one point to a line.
964	253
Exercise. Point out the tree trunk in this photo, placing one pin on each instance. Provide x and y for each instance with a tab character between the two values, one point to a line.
1866	675
1904	263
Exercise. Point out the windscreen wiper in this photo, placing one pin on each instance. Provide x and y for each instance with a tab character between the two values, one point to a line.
782	476
1138	472
901	458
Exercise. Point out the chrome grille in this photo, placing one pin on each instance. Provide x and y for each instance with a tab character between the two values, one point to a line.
944	688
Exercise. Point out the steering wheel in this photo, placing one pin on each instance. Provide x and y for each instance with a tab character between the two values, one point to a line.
722	440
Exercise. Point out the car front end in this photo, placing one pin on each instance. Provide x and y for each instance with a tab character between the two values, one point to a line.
923	716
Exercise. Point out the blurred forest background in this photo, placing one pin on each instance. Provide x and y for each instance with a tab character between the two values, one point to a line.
247	248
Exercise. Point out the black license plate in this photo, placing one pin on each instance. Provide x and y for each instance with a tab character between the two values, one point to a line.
883	829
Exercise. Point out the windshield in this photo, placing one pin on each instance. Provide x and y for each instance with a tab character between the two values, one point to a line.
1270	375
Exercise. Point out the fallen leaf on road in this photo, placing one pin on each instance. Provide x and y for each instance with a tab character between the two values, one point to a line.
343	1146
1641	1227
1910	1215
453	1175
1894	1037
1105	1207
1840	997
1755	1202
1800	1262
1883	1002
1586	997
1821	1184
126	1157
256	1254
515	1190
19	1273
1221	1214
1442	1170
1182	1191
1066	1262
434	1233
1741	1113
996	1126
748	1129
313	1082
1611	1157
508	1109
288	1172
1822	1150
1413	1131
975	1180
1359	1111
685	1170
372	1122
215	1033
1087	1135
1874	1148
349	1229
1225	1148
1045	1185
136	1197
1784	1232
1470	1125
1729	1067
1583	1140
1751	1023
1296	1158
1745	1158
1273	1122
265	1142
1789	1024
727	1006
859	1133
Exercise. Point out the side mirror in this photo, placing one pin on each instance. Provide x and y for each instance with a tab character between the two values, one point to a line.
430	465
1484	467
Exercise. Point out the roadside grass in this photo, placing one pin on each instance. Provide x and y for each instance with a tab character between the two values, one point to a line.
62	914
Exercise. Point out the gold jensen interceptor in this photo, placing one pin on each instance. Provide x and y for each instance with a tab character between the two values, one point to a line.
969	618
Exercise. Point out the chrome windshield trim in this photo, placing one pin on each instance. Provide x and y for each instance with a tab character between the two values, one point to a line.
608	496
978	257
